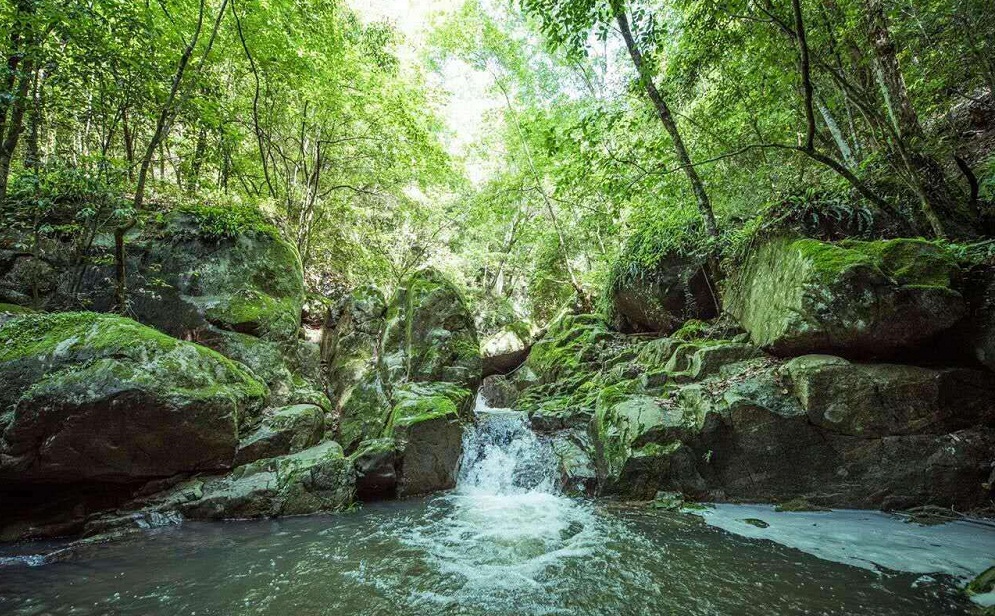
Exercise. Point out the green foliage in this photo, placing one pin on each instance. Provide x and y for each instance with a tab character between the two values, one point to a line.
227	221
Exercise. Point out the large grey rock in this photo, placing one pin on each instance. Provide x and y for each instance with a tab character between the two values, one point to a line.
856	299
429	334
90	397
427	425
282	431
890	399
407	372
505	350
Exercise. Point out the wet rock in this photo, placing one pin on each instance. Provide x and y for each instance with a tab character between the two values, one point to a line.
429	334
90	397
855	299
376	474
574	452
668	501
427	425
318	479
890	399
505	350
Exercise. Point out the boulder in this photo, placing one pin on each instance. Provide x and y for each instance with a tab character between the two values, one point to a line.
506	350
836	433
429	334
317	479
877	400
427	426
660	299
380	359
855	299
282	431
980	328
375	462
100	398
187	276
350	351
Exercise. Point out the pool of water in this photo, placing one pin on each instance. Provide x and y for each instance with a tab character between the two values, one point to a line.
505	542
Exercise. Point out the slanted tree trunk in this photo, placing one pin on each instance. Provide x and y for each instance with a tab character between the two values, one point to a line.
161	128
667	119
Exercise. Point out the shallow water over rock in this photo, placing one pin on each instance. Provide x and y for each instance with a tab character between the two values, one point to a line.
504	542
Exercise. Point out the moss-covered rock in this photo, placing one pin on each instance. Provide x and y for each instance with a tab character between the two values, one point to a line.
660	296
427	425
385	358
282	431
350	352
102	398
429	334
285	368
856	299
188	273
890	399
317	479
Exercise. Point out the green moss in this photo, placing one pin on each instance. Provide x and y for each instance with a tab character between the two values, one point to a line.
830	260
14	309
911	261
227	221
691	330
983	583
418	402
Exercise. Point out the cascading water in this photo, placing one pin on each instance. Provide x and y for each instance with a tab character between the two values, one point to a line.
503	457
506	533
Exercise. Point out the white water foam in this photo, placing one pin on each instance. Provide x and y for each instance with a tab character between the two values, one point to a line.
506	533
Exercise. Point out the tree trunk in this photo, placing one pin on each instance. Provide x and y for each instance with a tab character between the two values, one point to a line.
940	202
663	111
14	126
161	127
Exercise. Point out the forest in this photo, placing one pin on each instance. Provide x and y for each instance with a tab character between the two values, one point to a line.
273	258
618	132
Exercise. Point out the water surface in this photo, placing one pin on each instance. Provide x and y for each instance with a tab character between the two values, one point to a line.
504	542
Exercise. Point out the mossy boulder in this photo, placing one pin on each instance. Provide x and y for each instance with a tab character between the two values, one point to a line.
317	479
662	297
429	334
427	426
290	370
92	397
376	352
187	276
282	431
350	352
856	299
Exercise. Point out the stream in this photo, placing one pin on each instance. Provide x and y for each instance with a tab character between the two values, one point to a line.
506	542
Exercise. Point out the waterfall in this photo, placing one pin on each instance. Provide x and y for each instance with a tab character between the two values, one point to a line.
506	532
503	456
